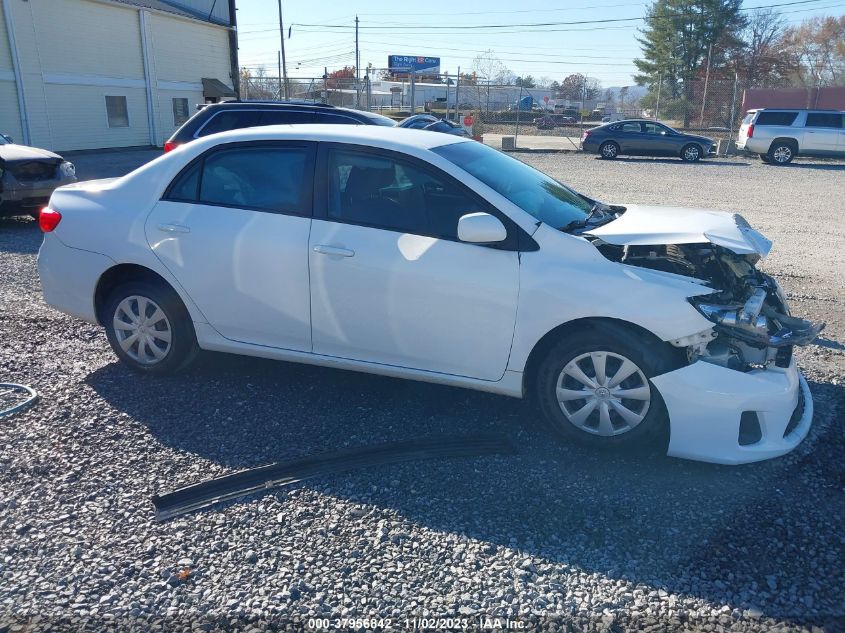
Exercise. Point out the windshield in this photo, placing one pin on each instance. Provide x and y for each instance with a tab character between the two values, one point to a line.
529	189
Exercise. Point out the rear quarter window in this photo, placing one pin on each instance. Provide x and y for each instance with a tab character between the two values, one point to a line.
231	120
776	118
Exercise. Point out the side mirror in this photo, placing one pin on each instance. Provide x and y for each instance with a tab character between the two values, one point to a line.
481	228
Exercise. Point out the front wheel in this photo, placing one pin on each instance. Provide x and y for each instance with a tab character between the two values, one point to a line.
149	328
609	150
691	153
595	388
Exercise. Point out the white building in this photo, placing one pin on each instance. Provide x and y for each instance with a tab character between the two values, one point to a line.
87	74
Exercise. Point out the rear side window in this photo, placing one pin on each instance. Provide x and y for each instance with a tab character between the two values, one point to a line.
276	179
231	120
776	118
630	127
824	119
287	117
336	119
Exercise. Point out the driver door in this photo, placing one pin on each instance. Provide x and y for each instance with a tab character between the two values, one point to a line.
390	281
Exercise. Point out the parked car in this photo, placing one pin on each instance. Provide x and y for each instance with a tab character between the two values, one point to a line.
432	124
28	176
436	258
779	135
551	121
231	115
645	138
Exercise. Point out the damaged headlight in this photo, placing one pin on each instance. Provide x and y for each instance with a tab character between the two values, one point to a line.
746	316
759	324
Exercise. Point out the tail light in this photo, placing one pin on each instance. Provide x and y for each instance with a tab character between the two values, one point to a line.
750	131
170	145
584	136
48	219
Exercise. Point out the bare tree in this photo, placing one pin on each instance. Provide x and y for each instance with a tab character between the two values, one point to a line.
764	59
819	46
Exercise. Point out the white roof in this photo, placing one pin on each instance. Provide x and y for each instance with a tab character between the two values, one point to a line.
377	135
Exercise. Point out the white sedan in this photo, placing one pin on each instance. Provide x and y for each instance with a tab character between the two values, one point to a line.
436	258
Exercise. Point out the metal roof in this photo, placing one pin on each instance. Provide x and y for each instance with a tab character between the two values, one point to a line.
186	9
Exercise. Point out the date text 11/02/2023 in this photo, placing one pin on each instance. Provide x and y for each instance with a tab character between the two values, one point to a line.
417	623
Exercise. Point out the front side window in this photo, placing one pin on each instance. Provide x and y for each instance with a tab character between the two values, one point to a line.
117	111
533	191
654	128
824	119
260	178
385	193
180	110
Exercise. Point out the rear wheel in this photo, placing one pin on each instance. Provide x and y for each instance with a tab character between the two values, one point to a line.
691	153
782	152
149	328
609	150
595	388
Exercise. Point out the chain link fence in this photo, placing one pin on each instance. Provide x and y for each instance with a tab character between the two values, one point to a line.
514	117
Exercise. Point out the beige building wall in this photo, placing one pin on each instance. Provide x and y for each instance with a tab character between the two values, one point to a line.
10	115
74	53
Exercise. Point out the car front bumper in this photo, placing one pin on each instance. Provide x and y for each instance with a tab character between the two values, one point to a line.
705	403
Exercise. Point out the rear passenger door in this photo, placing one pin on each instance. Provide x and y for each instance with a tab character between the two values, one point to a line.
822	132
232	228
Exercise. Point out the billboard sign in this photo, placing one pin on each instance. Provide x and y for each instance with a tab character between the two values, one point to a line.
409	63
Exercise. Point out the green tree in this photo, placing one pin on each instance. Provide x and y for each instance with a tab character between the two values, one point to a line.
676	40
524	82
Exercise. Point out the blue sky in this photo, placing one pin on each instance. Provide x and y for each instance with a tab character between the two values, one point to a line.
604	50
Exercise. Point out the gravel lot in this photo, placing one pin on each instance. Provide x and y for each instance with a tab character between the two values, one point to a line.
553	535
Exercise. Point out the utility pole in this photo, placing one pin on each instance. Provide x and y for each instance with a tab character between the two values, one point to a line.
659	85
357	68
284	65
706	81
280	74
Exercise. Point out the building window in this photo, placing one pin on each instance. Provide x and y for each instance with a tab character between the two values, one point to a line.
117	112
180	110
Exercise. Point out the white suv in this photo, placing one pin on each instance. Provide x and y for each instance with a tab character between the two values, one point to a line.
780	135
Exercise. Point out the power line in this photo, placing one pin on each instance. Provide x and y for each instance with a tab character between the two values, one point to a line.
539	25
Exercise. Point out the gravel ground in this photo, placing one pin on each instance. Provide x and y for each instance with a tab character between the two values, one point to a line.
555	536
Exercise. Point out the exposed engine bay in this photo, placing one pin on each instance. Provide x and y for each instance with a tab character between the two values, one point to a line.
752	324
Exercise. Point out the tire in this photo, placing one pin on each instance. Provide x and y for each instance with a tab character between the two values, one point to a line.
151	352
691	153
609	150
765	158
644	424
782	152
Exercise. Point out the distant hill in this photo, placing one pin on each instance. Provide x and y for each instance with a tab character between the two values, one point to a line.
634	92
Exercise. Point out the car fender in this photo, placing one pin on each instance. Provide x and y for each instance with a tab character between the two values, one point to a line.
567	279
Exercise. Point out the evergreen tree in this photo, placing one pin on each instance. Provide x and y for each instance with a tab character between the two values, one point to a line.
675	42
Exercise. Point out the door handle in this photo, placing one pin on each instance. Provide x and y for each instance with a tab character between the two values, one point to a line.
324	249
174	228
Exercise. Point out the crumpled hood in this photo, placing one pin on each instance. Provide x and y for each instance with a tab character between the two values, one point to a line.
12	153
643	225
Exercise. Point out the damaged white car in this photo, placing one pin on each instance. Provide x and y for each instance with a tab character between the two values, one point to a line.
434	258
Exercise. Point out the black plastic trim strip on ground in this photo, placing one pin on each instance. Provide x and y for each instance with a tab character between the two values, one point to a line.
206	493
